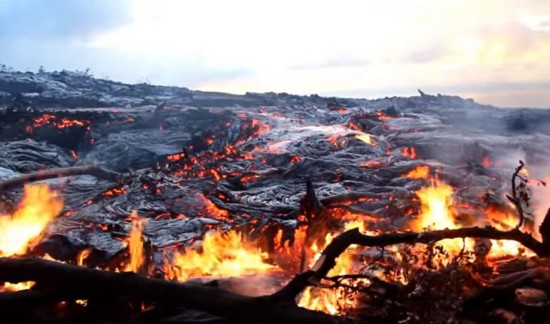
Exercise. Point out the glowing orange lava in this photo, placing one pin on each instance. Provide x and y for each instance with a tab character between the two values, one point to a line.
409	152
365	138
420	172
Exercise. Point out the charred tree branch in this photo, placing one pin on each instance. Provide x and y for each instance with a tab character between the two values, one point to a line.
328	259
60	173
76	282
516	200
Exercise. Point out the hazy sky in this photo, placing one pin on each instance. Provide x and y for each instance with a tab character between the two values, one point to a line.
494	52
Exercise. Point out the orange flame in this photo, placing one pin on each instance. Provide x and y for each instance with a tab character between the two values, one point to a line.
38	207
24	227
504	221
221	255
331	301
437	213
436	201
82	256
524	171
135	243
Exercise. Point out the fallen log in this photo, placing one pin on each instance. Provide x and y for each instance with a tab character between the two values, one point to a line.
60	173
74	282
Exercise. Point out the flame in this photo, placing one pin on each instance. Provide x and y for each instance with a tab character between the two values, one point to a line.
420	172
332	301
524	171
24	227
505	221
221	255
11	287
436	203
82	256
18	231
437	213
135	242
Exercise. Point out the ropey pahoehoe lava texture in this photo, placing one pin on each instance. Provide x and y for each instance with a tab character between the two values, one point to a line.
250	189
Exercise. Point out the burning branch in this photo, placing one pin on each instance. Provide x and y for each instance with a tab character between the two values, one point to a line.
59	173
68	282
338	245
344	240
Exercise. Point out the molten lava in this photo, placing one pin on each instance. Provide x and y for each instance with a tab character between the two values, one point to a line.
365	138
420	172
409	152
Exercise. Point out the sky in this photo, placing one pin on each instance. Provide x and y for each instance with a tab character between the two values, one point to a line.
494	52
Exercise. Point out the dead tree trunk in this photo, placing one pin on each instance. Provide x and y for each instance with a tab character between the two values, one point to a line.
59	173
67	282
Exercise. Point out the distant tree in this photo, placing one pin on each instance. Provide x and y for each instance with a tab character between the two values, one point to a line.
5	68
41	70
86	73
143	81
